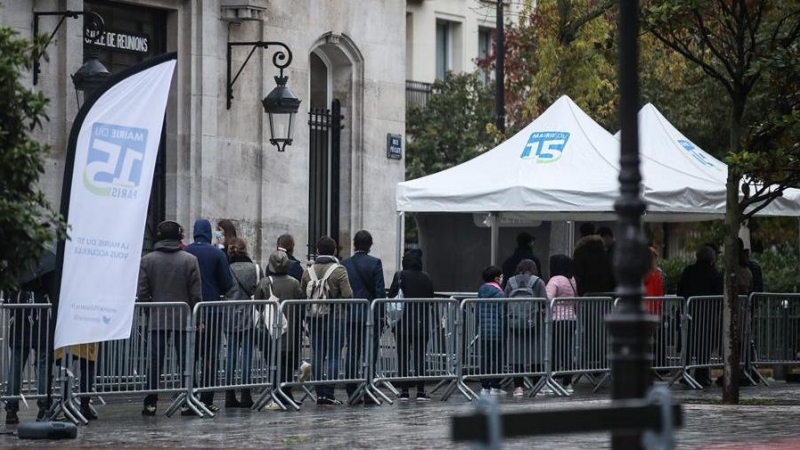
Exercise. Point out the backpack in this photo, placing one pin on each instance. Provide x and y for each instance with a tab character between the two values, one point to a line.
318	289
522	315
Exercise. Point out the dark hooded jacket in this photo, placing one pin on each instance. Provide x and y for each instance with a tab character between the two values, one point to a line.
593	271
700	278
214	269
415	284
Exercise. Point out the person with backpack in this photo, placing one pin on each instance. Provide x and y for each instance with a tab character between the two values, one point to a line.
239	328
414	327
365	273
282	286
491	318
525	322
562	284
326	279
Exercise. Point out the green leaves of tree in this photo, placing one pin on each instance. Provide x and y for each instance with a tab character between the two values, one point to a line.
27	221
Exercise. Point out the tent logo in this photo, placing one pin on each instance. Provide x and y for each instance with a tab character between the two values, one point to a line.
114	162
545	146
689	147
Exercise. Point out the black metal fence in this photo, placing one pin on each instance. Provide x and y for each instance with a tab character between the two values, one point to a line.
418	93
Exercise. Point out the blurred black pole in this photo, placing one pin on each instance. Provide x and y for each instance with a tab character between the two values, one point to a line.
499	82
630	327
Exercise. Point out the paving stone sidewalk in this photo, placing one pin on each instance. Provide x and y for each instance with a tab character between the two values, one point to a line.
422	426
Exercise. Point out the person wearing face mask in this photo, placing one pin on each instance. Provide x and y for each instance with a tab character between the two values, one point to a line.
224	233
524	250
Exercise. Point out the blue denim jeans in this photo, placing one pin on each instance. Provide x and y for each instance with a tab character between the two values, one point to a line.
19	356
326	345
245	341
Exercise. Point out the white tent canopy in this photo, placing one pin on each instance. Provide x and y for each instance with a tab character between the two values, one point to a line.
662	143
562	166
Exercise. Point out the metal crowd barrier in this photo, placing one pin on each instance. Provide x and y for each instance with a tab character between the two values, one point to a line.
592	340
332	336
234	347
667	340
372	347
775	330
24	334
417	344
152	361
505	338
702	336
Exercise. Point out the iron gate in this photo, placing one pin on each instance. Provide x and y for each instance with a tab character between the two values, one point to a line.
325	127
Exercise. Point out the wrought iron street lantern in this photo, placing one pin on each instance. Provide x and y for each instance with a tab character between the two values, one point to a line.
280	104
90	76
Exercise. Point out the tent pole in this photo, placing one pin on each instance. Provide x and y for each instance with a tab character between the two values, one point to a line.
495	234
400	239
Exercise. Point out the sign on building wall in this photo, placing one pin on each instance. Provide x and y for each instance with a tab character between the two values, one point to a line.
111	157
394	146
126	41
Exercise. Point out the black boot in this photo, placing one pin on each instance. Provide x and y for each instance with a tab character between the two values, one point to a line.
230	399
247	399
86	410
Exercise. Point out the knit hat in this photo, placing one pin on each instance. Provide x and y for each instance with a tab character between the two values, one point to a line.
169	229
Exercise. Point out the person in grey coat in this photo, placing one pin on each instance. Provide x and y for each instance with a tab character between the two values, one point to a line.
168	274
285	287
525	340
239	329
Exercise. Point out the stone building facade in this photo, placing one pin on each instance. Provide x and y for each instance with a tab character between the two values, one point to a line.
218	163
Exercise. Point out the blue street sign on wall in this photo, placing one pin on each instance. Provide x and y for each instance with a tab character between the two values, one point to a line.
394	146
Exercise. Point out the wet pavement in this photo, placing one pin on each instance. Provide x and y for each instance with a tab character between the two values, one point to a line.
769	415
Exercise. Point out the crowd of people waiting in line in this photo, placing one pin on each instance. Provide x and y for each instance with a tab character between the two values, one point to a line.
217	266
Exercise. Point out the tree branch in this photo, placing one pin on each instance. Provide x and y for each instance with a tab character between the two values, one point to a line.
688	54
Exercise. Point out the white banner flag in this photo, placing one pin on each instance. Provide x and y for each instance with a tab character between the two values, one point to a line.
112	155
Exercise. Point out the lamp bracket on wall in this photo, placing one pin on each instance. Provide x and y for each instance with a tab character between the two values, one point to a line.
91	31
281	60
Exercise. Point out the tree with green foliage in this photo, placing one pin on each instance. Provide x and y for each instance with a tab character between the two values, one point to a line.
454	126
451	128
751	48
27	222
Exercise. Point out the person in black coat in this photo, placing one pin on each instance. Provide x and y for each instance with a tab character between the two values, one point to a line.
286	244
593	270
524	250
365	273
414	327
702	278
29	330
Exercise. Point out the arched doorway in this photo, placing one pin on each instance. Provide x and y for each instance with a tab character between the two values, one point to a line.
334	137
324	121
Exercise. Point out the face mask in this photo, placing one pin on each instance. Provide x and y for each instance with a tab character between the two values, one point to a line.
218	235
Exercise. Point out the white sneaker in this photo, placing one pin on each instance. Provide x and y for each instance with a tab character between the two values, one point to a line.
496	391
519	392
272	406
305	371
485	391
546	390
569	389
